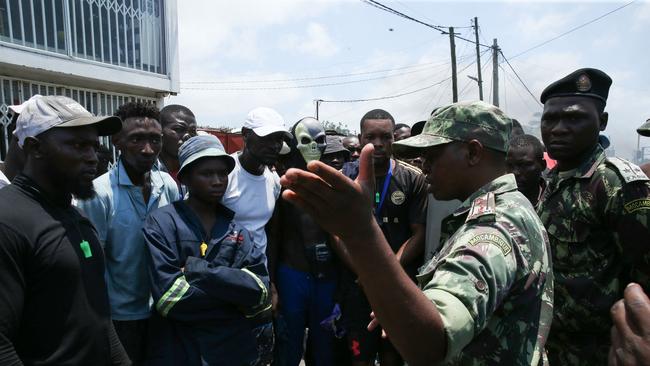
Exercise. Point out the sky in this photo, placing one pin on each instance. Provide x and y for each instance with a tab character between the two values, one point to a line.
284	54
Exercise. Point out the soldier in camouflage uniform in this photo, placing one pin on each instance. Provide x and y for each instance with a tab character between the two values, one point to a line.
596	210
487	297
644	130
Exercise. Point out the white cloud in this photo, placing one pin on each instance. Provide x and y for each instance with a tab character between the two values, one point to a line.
215	36
642	16
606	41
316	41
242	45
535	26
208	30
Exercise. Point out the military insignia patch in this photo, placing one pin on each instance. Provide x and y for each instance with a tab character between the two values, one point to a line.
505	247
482	205
636	205
583	83
398	197
630	172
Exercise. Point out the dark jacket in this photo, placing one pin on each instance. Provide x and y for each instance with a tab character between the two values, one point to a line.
206	303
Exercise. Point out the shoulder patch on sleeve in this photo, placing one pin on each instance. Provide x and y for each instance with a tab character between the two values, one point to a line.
493	239
630	172
638	204
483	207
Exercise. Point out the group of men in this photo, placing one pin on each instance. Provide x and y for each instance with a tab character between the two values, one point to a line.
181	254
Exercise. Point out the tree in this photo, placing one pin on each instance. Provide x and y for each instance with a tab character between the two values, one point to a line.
336	126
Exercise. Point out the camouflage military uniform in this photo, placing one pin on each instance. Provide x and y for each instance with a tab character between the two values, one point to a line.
597	220
491	281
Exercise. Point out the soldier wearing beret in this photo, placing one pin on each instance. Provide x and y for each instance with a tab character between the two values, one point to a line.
644	130
486	297
596	210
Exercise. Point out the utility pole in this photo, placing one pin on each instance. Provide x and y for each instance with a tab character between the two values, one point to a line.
495	73
454	80
478	61
318	101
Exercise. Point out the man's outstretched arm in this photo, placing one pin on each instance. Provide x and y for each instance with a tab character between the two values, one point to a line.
412	321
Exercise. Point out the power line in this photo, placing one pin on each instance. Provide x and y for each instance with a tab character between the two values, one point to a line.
439	28
572	30
307	78
386	97
520	80
283	87
425	17
483	68
512	83
396	95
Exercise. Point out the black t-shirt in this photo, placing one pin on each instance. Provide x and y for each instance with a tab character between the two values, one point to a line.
53	303
405	201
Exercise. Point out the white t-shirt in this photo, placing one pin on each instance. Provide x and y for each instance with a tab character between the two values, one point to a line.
252	198
4	181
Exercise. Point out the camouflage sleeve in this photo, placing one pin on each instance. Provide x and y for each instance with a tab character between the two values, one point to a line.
629	212
470	281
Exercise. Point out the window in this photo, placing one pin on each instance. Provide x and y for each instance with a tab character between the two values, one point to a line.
127	33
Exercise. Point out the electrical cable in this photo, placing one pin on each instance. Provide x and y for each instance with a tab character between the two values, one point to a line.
397	95
513	84
572	30
357	106
439	28
343	75
520	80
284	87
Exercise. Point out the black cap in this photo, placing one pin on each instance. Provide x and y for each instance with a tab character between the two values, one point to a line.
583	83
417	128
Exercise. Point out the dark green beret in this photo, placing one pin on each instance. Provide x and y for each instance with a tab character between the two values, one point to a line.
583	82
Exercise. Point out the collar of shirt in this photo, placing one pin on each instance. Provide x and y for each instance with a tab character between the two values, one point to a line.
28	185
502	184
584	170
157	183
220	227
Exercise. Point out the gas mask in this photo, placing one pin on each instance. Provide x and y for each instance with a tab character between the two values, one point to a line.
309	138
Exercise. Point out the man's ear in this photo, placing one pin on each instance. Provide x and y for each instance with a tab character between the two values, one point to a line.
603	120
475	152
32	146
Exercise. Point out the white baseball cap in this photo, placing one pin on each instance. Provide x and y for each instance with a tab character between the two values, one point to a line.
40	114
265	121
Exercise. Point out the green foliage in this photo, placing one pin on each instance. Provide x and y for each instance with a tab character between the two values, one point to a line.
336	126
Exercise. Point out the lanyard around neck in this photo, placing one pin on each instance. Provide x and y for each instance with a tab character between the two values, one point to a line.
379	199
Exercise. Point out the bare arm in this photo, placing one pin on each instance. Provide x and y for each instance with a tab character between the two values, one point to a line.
413	247
413	322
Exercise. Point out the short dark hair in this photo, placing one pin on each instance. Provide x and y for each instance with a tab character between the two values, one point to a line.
169	110
516	124
523	141
417	128
376	114
400	125
333	133
137	110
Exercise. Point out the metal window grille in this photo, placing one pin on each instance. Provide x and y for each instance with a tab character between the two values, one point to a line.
15	91
127	33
